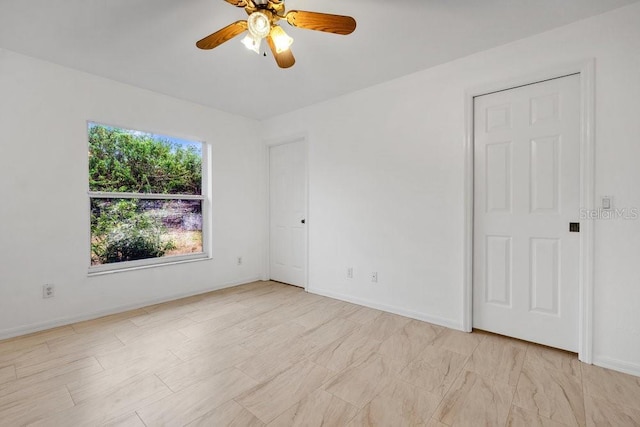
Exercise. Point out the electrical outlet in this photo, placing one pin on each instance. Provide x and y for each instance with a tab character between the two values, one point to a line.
48	291
374	277
239	261
349	272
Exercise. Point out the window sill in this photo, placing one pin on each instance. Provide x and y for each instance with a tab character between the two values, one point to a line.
146	263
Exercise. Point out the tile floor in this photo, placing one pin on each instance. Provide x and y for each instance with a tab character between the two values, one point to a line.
270	354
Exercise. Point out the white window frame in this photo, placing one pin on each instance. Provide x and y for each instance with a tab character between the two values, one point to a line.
158	261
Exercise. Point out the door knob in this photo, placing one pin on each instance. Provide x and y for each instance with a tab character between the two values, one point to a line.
302	221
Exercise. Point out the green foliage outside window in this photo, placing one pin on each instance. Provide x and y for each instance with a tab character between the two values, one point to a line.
121	231
122	161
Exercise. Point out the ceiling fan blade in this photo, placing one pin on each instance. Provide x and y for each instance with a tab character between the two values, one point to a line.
337	24
238	3
283	59
222	35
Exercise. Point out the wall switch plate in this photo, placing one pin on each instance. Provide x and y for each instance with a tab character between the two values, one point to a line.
374	277
349	272
48	291
239	260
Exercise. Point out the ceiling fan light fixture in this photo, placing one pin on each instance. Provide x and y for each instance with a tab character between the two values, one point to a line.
281	40
252	43
259	25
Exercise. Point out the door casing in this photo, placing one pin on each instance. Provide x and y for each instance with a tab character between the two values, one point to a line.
586	69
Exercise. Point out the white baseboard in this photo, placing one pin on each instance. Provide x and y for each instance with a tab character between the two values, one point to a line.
436	320
63	321
617	365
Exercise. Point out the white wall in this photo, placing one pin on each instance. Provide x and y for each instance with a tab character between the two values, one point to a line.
44	218
386	180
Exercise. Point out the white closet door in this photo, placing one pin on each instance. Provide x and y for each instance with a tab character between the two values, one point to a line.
526	194
288	201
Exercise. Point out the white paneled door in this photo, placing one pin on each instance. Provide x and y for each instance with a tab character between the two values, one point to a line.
288	206
526	194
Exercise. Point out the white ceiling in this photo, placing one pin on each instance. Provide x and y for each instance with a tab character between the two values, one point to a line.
151	43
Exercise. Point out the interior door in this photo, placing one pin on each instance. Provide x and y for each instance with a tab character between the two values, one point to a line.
288	203
526	194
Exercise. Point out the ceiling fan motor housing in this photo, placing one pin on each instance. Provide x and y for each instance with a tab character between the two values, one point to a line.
259	24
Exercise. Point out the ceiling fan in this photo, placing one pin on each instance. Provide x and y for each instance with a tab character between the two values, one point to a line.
261	23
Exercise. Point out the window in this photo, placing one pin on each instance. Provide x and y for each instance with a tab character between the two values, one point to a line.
146	198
